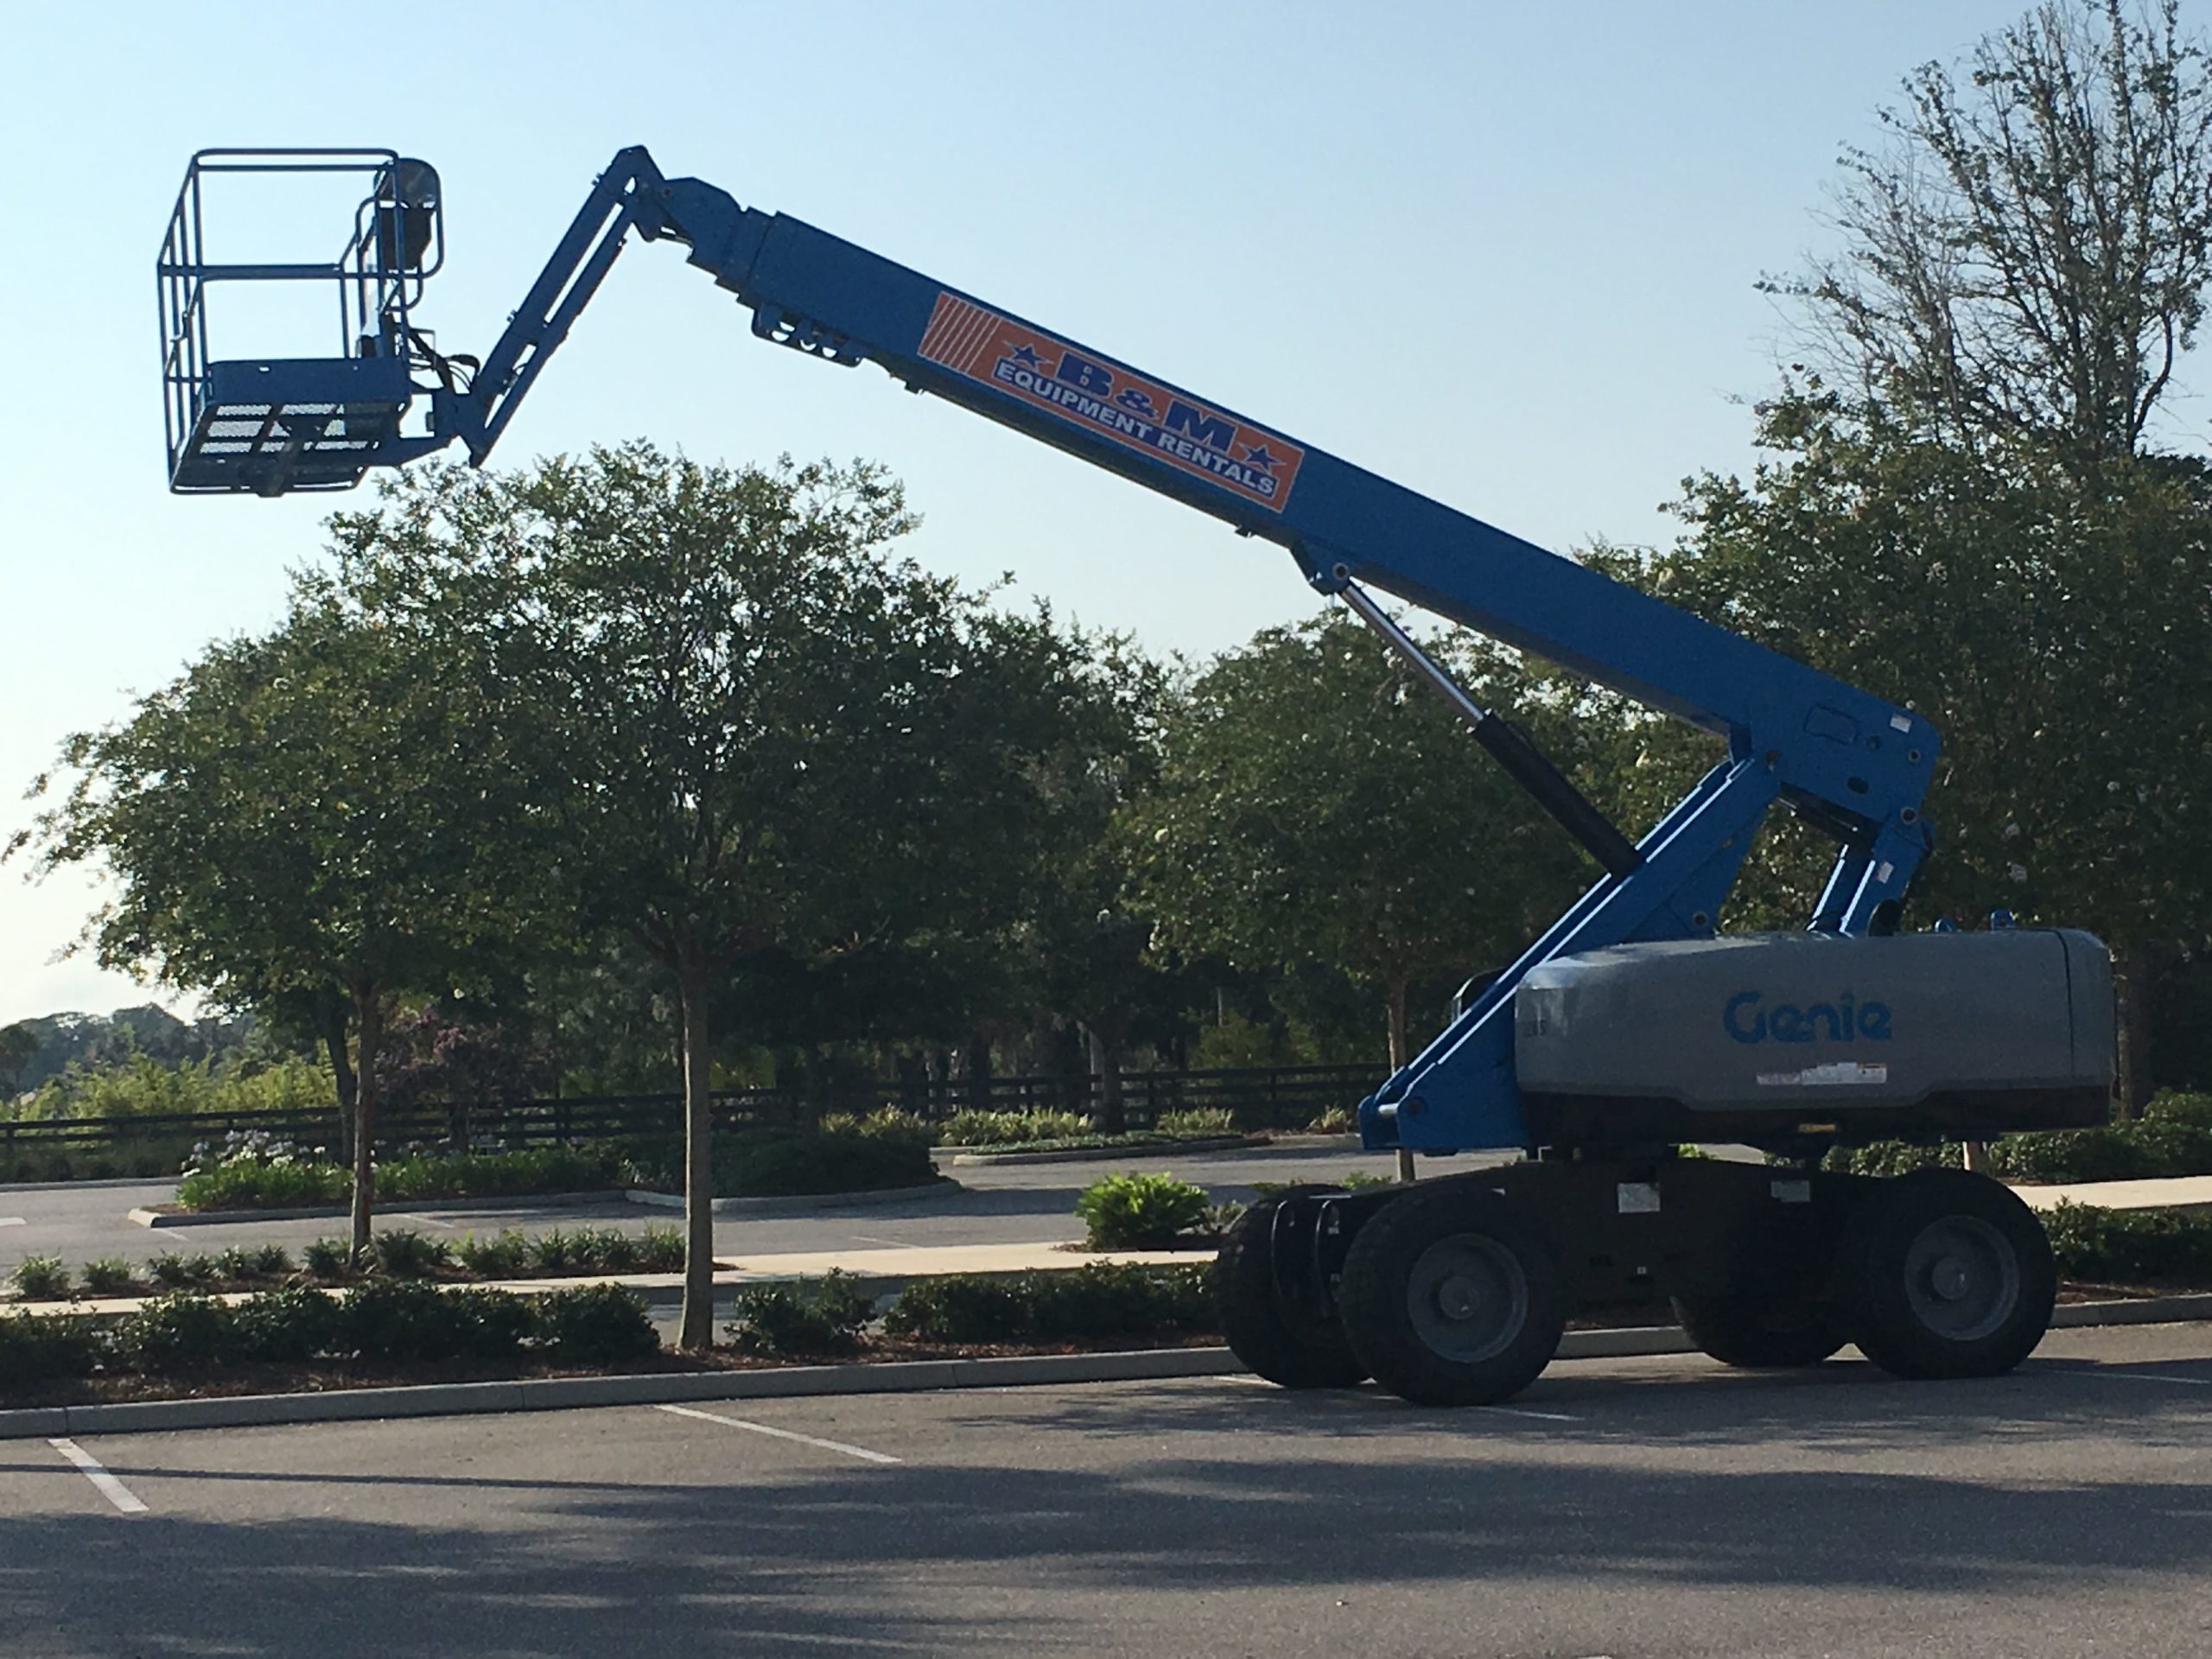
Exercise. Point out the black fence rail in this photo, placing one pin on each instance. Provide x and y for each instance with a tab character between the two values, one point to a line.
1270	1097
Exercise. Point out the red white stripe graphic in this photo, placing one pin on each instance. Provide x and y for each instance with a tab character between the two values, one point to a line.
958	334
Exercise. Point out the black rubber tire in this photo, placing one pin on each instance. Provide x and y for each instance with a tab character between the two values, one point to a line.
1497	1272
1763	1334
1946	1274
1273	1342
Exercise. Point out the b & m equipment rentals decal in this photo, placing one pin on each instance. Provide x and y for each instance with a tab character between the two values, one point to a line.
1104	398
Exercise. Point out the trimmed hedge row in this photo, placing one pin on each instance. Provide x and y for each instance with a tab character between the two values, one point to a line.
1096	1302
776	1163
383	1320
2173	1137
2131	1247
250	1182
1082	1304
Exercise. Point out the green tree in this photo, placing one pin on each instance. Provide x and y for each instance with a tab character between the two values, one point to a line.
2059	632
2028	250
1084	934
17	1044
759	733
314	807
1317	805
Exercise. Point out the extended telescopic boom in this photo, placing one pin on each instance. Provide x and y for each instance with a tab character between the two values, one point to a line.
1852	763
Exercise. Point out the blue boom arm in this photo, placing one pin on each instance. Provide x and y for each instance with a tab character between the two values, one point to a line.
1853	763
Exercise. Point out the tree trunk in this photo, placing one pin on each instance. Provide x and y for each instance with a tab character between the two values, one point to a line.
330	1021
697	1330
368	1023
1395	990
977	1060
1106	1069
2135	978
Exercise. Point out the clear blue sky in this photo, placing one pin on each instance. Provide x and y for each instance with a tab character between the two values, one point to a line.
1501	252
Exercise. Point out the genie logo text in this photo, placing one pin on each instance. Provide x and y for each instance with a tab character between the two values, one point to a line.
1750	1018
1112	401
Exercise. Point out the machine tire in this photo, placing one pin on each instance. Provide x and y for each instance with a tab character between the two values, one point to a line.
1450	1297
1762	1333
1289	1350
1946	1275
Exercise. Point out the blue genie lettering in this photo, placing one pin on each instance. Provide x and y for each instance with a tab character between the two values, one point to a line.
1845	1019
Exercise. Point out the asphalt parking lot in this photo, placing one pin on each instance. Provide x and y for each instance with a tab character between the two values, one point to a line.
1625	1508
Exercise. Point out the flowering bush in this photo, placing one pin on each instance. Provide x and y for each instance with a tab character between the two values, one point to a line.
255	1170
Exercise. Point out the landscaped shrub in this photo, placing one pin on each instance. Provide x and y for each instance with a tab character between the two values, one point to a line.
779	1163
607	1250
2175	1107
411	1318
891	1121
324	1258
975	1128
1100	1301
824	1316
660	1249
254	1171
403	1253
45	1348
155	1157
288	1326
41	1279
174	1272
1196	1121
179	1331
2173	1137
594	1325
1137	1211
1104	1299
2131	1246
109	1276
505	1255
1333	1120
593	1167
555	1252
964	1308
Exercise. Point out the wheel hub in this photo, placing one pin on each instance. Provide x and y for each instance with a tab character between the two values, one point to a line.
1467	1297
1962	1278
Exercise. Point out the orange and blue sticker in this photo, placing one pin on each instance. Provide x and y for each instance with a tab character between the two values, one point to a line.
1112	401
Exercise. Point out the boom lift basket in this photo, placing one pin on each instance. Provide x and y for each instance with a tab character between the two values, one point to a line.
270	425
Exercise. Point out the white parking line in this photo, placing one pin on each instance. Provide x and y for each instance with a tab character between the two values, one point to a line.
1540	1416
2153	1376
11	1221
110	1488
861	1452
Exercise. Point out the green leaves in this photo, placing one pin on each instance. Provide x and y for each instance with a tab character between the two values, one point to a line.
1316	805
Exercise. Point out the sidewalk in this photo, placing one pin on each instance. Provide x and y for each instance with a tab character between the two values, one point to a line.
2178	1192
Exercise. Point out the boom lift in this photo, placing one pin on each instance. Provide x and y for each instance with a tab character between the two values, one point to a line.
1630	1026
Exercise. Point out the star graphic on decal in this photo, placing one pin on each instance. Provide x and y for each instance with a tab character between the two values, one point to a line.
1026	355
1258	455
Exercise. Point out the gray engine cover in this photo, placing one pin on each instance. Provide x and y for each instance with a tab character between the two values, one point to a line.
2010	1028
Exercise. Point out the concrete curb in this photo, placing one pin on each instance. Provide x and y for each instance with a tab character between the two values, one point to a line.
962	1157
943	1186
905	1377
384	1212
